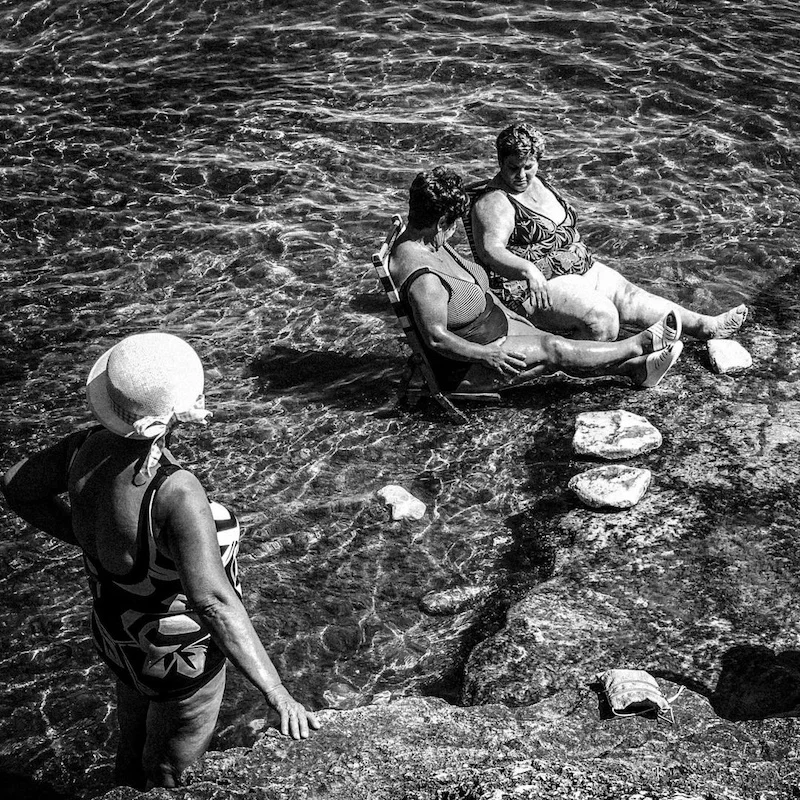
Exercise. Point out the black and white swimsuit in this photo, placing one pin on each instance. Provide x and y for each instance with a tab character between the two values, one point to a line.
142	623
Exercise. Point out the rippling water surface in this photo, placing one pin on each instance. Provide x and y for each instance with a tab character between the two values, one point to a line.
223	170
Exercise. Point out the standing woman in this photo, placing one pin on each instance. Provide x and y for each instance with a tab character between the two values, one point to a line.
159	557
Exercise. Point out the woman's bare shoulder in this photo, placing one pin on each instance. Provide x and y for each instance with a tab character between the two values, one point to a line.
407	257
492	202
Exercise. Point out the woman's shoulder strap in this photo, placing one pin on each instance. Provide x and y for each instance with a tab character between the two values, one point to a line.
418	273
78	440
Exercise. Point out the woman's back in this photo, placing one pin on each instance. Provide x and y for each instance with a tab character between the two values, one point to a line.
105	502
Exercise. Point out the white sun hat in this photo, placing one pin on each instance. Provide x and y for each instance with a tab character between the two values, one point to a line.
145	383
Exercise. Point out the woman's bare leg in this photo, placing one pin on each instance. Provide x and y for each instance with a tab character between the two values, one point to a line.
578	311
132	719
640	308
179	732
545	353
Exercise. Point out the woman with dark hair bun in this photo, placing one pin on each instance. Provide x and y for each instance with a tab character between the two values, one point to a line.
473	341
526	233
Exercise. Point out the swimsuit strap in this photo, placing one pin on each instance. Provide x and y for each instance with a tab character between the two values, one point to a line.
144	532
418	273
462	262
80	443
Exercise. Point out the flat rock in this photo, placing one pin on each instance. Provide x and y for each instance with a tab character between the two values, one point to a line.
613	486
726	355
419	748
403	504
614	434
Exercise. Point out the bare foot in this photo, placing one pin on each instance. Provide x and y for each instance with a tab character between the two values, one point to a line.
725	325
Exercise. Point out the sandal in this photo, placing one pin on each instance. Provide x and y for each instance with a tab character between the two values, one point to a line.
659	363
666	331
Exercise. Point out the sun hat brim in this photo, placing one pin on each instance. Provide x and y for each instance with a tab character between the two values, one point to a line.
100	402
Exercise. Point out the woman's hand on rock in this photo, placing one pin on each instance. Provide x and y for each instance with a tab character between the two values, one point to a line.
295	720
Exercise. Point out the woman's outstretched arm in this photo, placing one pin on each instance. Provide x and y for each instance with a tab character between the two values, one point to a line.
189	536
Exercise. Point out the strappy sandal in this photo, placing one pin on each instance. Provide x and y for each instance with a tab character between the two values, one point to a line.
666	331
659	363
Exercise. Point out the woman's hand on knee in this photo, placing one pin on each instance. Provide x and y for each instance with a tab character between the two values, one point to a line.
295	720
503	361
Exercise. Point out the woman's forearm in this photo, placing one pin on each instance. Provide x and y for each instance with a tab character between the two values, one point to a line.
450	345
231	628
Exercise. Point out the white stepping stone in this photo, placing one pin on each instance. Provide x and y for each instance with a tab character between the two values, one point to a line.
614	486
403	504
614	434
727	355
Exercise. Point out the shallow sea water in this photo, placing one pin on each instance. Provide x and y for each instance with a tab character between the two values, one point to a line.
223	171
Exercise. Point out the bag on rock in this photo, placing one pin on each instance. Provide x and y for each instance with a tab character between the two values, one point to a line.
634	692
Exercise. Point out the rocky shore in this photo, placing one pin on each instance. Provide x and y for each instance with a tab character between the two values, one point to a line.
697	584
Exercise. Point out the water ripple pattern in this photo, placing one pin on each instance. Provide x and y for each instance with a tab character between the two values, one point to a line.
223	170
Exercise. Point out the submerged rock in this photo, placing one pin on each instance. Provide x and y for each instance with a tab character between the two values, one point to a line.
403	504
614	434
727	355
451	601
612	486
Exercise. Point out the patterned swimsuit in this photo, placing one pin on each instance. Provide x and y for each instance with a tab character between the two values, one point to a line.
556	249
142	623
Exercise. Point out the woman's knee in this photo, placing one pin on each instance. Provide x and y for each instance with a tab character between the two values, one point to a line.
556	351
601	323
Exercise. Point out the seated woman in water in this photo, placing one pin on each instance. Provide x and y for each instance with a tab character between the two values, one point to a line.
159	557
525	232
474	342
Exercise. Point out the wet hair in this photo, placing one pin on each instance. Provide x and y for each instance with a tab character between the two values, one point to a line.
438	194
519	140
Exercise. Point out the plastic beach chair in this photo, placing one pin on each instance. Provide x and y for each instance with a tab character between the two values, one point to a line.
419	359
474	191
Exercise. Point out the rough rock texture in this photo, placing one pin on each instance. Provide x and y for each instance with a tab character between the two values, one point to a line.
424	749
727	355
611	486
403	504
451	601
614	434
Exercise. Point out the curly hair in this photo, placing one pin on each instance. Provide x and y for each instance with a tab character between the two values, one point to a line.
438	194
519	140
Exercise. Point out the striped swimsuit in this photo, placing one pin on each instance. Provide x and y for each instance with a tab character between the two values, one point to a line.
472	314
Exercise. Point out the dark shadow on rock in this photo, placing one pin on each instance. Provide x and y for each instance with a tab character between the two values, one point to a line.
777	305
532	556
372	303
755	683
21	787
529	560
335	378
488	618
372	382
